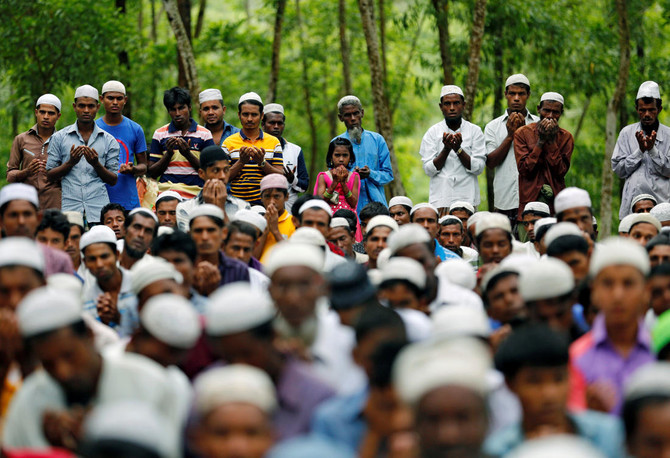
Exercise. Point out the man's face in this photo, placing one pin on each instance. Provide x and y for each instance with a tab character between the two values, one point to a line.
341	237
114	219
643	206
427	218
316	218
166	212
620	293
659	254
72	244
85	108
550	110
15	284
239	246
555	313
273	124
207	235
295	290
376	241
140	233
47	116
250	116
578	263
494	246
659	293
385	414
543	392
581	216
212	112
351	116
504	300
528	221
651	438
452	107
647	112
516	97
400	214
49	237
182	263
180	114
400	296
217	171
451	237
276	197
451	421
642	233
100	259
113	102
20	219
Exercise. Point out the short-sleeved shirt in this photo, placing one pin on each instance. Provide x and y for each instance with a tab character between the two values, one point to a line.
246	185
83	190
228	130
131	140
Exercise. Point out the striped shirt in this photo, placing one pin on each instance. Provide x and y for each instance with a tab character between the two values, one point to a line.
246	185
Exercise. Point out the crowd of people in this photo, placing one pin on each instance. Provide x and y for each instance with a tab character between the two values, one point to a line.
194	298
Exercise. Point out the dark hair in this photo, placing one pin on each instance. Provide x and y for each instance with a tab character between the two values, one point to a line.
418	292
383	357
631	410
250	102
264	331
373	209
659	102
542	230
299	202
535	213
176	95
374	317
55	220
215	220
4	207
165	199
532	345
112	206
211	155
177	241
243	228
660	239
542	102
566	244
273	112
479	238
559	216
349	216
115	447
466	210
521	85
78	328
340	141
661	270
129	220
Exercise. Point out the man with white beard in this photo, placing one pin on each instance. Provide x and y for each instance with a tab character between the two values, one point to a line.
373	160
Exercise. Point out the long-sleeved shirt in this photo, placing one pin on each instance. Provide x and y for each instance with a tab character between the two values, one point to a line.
645	172
373	152
83	190
453	181
26	147
539	165
294	158
506	181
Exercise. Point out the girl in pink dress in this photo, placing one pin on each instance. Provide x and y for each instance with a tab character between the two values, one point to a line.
339	185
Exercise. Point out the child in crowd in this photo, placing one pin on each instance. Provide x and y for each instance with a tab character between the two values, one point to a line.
339	185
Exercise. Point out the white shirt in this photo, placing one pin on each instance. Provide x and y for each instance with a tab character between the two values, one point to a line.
453	182
332	260
258	280
506	181
290	154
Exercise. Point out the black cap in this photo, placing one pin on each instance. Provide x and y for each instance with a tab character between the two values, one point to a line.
350	286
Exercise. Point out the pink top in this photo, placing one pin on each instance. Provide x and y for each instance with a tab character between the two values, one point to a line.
341	200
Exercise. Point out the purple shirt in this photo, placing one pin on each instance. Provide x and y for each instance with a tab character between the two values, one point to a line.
56	261
232	270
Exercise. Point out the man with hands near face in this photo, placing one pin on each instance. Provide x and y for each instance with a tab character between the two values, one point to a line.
83	181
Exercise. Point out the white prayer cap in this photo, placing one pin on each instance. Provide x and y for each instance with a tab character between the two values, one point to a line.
21	251
594	221
450	89
131	422
401	200
46	309
559	230
97	234
571	197
420	368
556	446
74	217
237	307
286	254
661	212
407	235
340	222
447	220
172	319
539	207
552	97
381	220
458	272
517	78
650	380
251	217
209	94
150	270
546	278
549	220
424	205
49	99
273	108
308	236
501	269
113	86
318	204
460	320
258	209
19	191
493	221
86	91
144	212
166	194
235	383
348	100
382	258
462	204
644	218
624	224
640	197
250	96
648	89
617	251
404	269
417	324
66	282
205	210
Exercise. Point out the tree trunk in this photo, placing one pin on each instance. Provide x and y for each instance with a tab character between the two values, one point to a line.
276	47
605	223
344	47
498	75
382	35
201	18
383	118
154	21
582	117
124	62
474	56
184	47
184	7
441	8
410	55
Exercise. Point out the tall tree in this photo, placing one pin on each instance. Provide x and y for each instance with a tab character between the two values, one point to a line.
184	47
382	35
344	46
474	56
276	48
184	8
124	61
441	10
201	18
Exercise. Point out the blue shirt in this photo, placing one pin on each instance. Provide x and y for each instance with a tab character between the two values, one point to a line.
444	254
341	420
373	152
131	140
83	190
228	130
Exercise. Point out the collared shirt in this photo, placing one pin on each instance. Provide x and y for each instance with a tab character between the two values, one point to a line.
341	419
294	159
453	181
373	152
246	185
232	270
126	302
184	209
286	228
645	173
83	190
506	181
541	165
228	130
594	359
26	147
